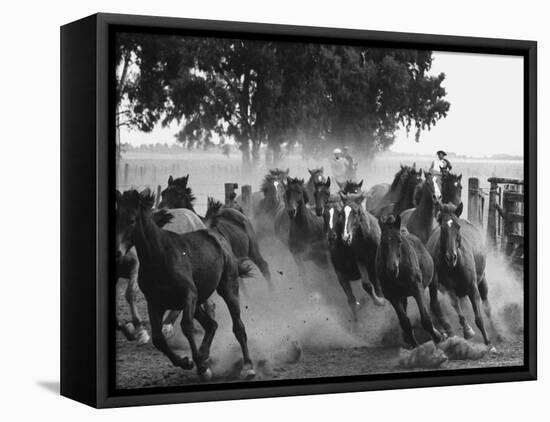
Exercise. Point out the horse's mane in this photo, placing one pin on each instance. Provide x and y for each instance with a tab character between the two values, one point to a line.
398	175
277	172
350	186
162	217
453	177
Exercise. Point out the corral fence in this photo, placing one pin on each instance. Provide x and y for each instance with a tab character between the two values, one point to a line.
505	214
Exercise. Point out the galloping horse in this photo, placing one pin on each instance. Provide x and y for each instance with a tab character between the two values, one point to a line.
306	239
331	208
405	268
181	271
236	228
400	195
459	256
177	194
315	176
361	234
421	221
267	202
127	266
451	188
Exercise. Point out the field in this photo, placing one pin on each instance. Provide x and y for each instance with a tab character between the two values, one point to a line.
303	328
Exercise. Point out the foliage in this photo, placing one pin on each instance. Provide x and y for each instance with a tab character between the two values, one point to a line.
278	93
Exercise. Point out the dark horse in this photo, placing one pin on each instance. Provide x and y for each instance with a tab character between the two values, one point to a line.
233	225
267	202
306	239
459	256
451	188
360	233
178	194
180	272
315	176
331	208
421	221
405	268
127	266
236	228
400	195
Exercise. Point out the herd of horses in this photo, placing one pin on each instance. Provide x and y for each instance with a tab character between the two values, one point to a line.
400	239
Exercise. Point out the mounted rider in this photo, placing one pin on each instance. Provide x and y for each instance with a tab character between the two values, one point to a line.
441	165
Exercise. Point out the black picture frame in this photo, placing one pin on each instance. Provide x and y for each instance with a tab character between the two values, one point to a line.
87	196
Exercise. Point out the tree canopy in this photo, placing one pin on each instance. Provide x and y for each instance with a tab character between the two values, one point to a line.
275	93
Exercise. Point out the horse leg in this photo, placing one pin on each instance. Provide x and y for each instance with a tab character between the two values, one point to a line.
159	341
484	293
229	291
141	334
404	321
475	299
210	326
257	258
425	318
435	307
168	323
352	301
188	329
367	284
466	329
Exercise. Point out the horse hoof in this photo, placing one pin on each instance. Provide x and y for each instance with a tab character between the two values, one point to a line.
143	337
206	375
186	363
468	333
492	350
248	372
168	330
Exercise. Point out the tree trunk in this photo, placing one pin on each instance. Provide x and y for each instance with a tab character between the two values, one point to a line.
256	152
244	146
277	153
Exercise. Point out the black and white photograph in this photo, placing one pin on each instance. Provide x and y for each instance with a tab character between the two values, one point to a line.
292	210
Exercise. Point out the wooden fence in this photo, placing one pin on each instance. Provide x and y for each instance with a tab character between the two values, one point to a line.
505	214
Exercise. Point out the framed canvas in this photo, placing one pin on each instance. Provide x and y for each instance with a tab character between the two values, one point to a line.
253	210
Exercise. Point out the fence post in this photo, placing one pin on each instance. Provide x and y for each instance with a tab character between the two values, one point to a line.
492	216
230	193
246	195
473	201
125	175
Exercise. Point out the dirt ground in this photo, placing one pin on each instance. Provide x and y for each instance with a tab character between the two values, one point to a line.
303	330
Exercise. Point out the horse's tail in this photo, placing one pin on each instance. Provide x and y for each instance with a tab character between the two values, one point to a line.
245	269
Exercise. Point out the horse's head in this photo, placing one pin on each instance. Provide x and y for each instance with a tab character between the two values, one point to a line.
451	188
390	245
177	194
333	219
316	175
321	195
129	208
352	215
450	237
273	188
350	186
433	186
295	195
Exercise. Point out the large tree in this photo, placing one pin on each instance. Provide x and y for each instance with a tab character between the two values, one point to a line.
267	92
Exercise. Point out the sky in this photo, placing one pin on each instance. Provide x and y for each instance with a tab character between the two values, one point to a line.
485	118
